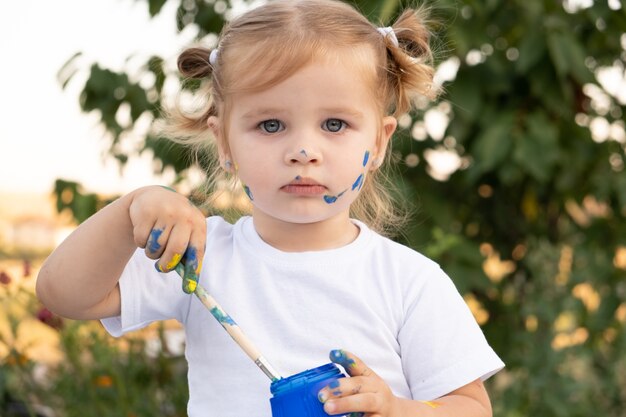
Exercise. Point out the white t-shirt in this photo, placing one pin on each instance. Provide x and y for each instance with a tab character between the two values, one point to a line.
384	302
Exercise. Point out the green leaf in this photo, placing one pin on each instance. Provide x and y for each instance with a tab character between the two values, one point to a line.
568	56
537	149
155	6
531	49
557	52
465	94
493	145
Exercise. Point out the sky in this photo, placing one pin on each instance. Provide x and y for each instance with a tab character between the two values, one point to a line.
43	134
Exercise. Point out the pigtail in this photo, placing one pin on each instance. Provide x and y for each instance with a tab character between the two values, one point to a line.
194	63
189	125
410	62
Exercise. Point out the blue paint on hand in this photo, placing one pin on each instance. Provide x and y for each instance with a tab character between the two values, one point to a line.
191	274
341	357
153	240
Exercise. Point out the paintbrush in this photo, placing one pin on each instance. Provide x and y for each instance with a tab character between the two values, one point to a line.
232	328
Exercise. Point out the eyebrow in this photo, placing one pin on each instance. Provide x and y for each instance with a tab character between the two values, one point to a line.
256	113
273	111
344	111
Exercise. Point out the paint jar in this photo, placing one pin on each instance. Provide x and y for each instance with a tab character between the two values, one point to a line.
296	396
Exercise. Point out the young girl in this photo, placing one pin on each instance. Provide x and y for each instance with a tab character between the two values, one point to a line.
302	100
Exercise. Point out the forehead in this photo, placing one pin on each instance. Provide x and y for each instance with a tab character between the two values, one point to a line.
256	67
338	73
321	86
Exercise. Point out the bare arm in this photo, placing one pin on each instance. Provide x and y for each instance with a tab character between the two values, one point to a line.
367	392
79	280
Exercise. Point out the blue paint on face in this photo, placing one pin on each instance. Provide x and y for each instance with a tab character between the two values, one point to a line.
358	183
332	198
222	317
303	152
153	240
248	192
366	157
298	178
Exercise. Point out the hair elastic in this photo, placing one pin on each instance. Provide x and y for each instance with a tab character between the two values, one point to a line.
388	30
213	56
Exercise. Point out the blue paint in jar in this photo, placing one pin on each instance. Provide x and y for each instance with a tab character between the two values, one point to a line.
296	396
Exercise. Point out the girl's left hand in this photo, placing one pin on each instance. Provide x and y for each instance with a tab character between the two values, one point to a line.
364	391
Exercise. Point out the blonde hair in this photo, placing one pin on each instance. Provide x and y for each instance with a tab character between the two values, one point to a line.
270	43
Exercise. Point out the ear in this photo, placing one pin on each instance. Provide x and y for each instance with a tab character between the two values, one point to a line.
389	125
224	154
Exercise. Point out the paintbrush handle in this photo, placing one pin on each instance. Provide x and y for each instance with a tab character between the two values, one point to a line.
232	328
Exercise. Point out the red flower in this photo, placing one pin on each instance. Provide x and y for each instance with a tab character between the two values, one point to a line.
47	317
4	278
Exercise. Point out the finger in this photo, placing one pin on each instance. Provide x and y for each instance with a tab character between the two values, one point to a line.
351	363
191	274
141	232
368	402
193	260
174	248
168	263
342	387
155	244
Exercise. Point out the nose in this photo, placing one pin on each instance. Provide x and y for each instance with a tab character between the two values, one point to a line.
302	155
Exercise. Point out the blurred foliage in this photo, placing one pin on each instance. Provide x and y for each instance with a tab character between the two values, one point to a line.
531	226
96	374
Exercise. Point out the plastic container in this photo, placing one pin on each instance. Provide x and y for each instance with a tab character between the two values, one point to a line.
296	396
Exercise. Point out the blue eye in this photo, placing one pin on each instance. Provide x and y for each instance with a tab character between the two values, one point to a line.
271	126
334	125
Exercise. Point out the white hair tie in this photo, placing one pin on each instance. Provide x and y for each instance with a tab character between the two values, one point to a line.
388	30
213	57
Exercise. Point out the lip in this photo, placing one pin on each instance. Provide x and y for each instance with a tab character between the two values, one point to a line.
304	186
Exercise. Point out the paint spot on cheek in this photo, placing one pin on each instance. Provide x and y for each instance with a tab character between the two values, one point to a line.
248	192
332	198
153	240
358	183
366	157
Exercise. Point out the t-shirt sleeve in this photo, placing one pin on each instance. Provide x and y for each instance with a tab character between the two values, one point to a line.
147	296
442	346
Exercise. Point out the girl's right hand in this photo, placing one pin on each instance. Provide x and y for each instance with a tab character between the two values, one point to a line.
170	229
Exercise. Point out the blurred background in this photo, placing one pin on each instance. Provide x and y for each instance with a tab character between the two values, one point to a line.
516	175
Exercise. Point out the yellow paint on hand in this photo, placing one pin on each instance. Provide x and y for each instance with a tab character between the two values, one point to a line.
175	260
432	404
